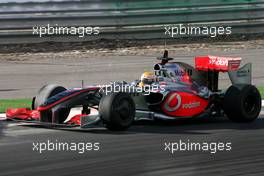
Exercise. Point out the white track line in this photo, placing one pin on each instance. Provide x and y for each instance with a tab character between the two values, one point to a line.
2	116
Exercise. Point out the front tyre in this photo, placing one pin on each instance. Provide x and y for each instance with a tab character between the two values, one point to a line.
242	103
117	110
46	92
43	95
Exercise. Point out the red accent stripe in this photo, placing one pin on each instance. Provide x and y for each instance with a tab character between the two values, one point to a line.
42	108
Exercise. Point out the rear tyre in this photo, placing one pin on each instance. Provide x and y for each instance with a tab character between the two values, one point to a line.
242	103
117	111
44	93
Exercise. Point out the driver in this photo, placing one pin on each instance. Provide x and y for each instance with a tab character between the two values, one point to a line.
147	78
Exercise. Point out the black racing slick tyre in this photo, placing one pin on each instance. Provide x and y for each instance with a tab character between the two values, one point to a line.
242	103
46	92
117	111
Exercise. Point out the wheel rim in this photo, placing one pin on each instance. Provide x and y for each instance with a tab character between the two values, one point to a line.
123	108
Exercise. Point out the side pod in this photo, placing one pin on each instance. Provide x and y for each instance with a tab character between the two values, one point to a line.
242	75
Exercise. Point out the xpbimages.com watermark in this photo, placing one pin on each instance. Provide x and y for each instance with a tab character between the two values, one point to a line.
51	146
211	147
80	31
181	29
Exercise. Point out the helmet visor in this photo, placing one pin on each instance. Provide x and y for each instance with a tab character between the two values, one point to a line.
147	81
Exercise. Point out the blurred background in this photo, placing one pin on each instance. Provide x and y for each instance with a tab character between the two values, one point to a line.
125	19
132	35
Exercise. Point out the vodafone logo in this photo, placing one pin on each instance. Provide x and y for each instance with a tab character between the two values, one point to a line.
174	99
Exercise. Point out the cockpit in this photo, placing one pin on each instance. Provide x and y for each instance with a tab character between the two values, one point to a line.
179	72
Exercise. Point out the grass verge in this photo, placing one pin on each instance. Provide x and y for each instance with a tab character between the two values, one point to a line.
261	90
14	103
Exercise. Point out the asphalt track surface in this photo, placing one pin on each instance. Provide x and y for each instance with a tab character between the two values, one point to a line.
138	151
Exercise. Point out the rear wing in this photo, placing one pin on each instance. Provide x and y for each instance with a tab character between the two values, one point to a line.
216	63
212	65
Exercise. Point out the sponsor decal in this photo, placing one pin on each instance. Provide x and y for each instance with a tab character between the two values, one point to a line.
219	61
183	72
224	61
174	102
242	73
169	102
191	105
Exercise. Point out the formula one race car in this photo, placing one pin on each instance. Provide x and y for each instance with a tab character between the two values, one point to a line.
172	91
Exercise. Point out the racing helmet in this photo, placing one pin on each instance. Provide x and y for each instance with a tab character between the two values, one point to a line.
147	78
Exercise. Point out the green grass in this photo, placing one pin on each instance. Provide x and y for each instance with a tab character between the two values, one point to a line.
261	90
14	103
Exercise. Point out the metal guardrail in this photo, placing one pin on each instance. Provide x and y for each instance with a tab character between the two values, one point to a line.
137	19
